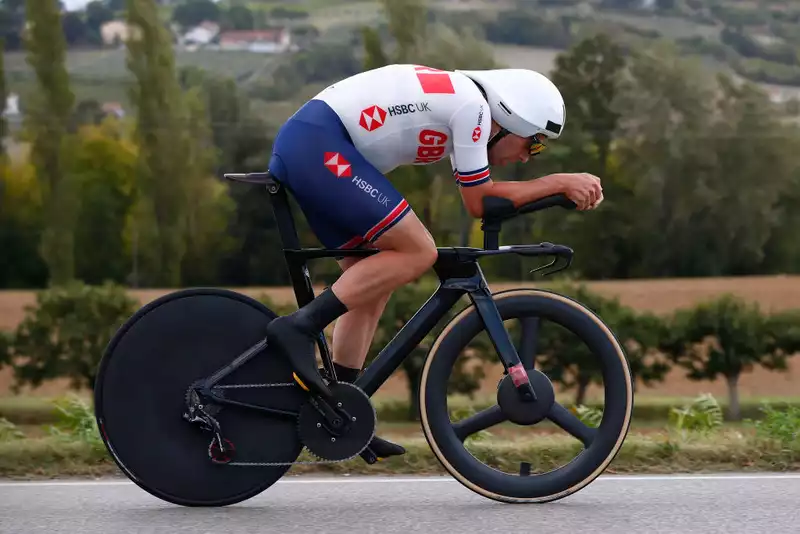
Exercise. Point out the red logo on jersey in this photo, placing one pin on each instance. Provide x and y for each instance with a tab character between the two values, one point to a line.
432	146
434	81
476	134
339	166
372	118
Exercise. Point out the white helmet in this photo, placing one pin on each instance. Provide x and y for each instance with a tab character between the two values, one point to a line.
524	102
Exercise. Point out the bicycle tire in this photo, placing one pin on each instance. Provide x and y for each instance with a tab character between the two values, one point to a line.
143	378
561	482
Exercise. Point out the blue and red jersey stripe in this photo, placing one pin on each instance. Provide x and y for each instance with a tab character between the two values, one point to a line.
473	178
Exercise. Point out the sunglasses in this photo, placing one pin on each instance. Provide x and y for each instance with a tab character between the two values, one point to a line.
537	145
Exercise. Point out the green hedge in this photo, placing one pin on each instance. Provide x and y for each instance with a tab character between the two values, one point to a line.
40	411
643	410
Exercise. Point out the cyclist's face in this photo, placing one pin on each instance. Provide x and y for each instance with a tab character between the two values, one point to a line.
513	148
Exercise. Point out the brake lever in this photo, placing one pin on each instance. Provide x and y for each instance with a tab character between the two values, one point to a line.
556	256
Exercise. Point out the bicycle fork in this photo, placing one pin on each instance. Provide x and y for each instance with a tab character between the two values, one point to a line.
487	309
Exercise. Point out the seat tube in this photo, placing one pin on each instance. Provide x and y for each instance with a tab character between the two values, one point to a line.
487	309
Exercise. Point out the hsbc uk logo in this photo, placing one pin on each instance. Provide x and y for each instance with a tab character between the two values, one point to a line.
339	166
476	133
342	168
402	109
372	118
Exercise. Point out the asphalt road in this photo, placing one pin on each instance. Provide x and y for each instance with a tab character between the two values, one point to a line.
761	504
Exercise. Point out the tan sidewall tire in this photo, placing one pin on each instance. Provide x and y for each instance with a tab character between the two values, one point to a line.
432	355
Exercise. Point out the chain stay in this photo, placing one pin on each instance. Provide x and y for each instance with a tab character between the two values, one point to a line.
274	464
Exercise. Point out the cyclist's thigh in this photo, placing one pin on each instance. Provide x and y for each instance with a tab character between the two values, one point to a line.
346	200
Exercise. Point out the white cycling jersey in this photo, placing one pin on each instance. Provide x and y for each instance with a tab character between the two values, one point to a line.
415	115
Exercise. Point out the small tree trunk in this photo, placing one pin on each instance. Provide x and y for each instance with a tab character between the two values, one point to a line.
583	385
734	412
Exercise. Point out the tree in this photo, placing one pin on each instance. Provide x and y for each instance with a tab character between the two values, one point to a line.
21	224
97	14
565	359
49	109
3	100
465	378
87	112
12	21
588	77
238	17
193	12
104	170
208	206
160	214
75	30
66	333
728	336
745	200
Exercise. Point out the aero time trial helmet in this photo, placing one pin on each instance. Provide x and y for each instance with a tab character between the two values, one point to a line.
521	101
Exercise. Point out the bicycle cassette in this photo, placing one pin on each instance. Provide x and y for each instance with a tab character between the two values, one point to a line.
356	432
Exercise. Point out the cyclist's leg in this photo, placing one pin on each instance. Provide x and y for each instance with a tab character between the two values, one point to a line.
340	191
354	331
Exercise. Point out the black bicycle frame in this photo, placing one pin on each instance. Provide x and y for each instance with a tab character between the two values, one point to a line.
458	272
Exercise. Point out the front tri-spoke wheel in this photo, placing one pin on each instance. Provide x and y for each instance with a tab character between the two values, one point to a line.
516	451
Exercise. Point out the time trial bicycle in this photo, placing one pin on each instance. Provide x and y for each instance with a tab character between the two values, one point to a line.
196	408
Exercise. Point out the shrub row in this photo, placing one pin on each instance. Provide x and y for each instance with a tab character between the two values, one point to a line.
41	411
66	332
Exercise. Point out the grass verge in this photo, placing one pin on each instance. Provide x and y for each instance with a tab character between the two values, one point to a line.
23	410
49	457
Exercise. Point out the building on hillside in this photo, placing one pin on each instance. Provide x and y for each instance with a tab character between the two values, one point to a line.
202	34
274	41
113	108
115	32
11	111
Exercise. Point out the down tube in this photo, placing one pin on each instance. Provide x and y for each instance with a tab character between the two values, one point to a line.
412	333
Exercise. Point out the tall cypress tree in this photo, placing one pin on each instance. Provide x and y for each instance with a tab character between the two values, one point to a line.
49	109
3	100
162	177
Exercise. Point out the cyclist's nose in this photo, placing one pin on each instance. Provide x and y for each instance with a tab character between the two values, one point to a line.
524	157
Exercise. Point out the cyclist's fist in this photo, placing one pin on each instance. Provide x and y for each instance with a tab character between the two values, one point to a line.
583	189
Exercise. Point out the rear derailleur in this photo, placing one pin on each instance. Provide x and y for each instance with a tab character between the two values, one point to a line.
220	450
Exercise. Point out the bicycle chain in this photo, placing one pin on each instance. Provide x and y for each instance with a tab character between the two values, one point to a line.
275	464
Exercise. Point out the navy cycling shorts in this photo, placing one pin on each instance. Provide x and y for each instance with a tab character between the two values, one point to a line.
347	202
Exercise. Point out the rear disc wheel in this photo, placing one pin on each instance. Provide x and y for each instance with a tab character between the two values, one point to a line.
141	392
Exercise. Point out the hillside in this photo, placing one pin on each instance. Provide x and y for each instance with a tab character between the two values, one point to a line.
758	40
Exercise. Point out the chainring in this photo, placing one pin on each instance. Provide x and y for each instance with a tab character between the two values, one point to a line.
322	443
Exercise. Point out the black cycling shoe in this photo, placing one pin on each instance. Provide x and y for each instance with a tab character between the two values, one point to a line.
382	449
298	345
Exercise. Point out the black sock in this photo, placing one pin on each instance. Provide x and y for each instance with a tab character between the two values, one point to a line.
345	374
320	312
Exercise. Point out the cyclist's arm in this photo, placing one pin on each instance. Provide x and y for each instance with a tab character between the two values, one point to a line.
517	192
471	126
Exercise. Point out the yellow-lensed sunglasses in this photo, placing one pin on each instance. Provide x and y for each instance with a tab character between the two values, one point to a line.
537	144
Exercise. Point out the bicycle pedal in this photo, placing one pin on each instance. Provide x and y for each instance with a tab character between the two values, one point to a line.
368	456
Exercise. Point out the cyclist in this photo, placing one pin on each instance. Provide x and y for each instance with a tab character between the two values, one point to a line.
333	153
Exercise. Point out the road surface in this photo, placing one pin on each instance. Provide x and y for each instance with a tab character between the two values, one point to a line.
729	504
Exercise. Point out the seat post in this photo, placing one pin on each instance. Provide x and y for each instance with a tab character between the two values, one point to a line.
296	265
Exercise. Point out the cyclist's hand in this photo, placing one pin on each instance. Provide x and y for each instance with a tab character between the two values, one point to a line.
583	189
